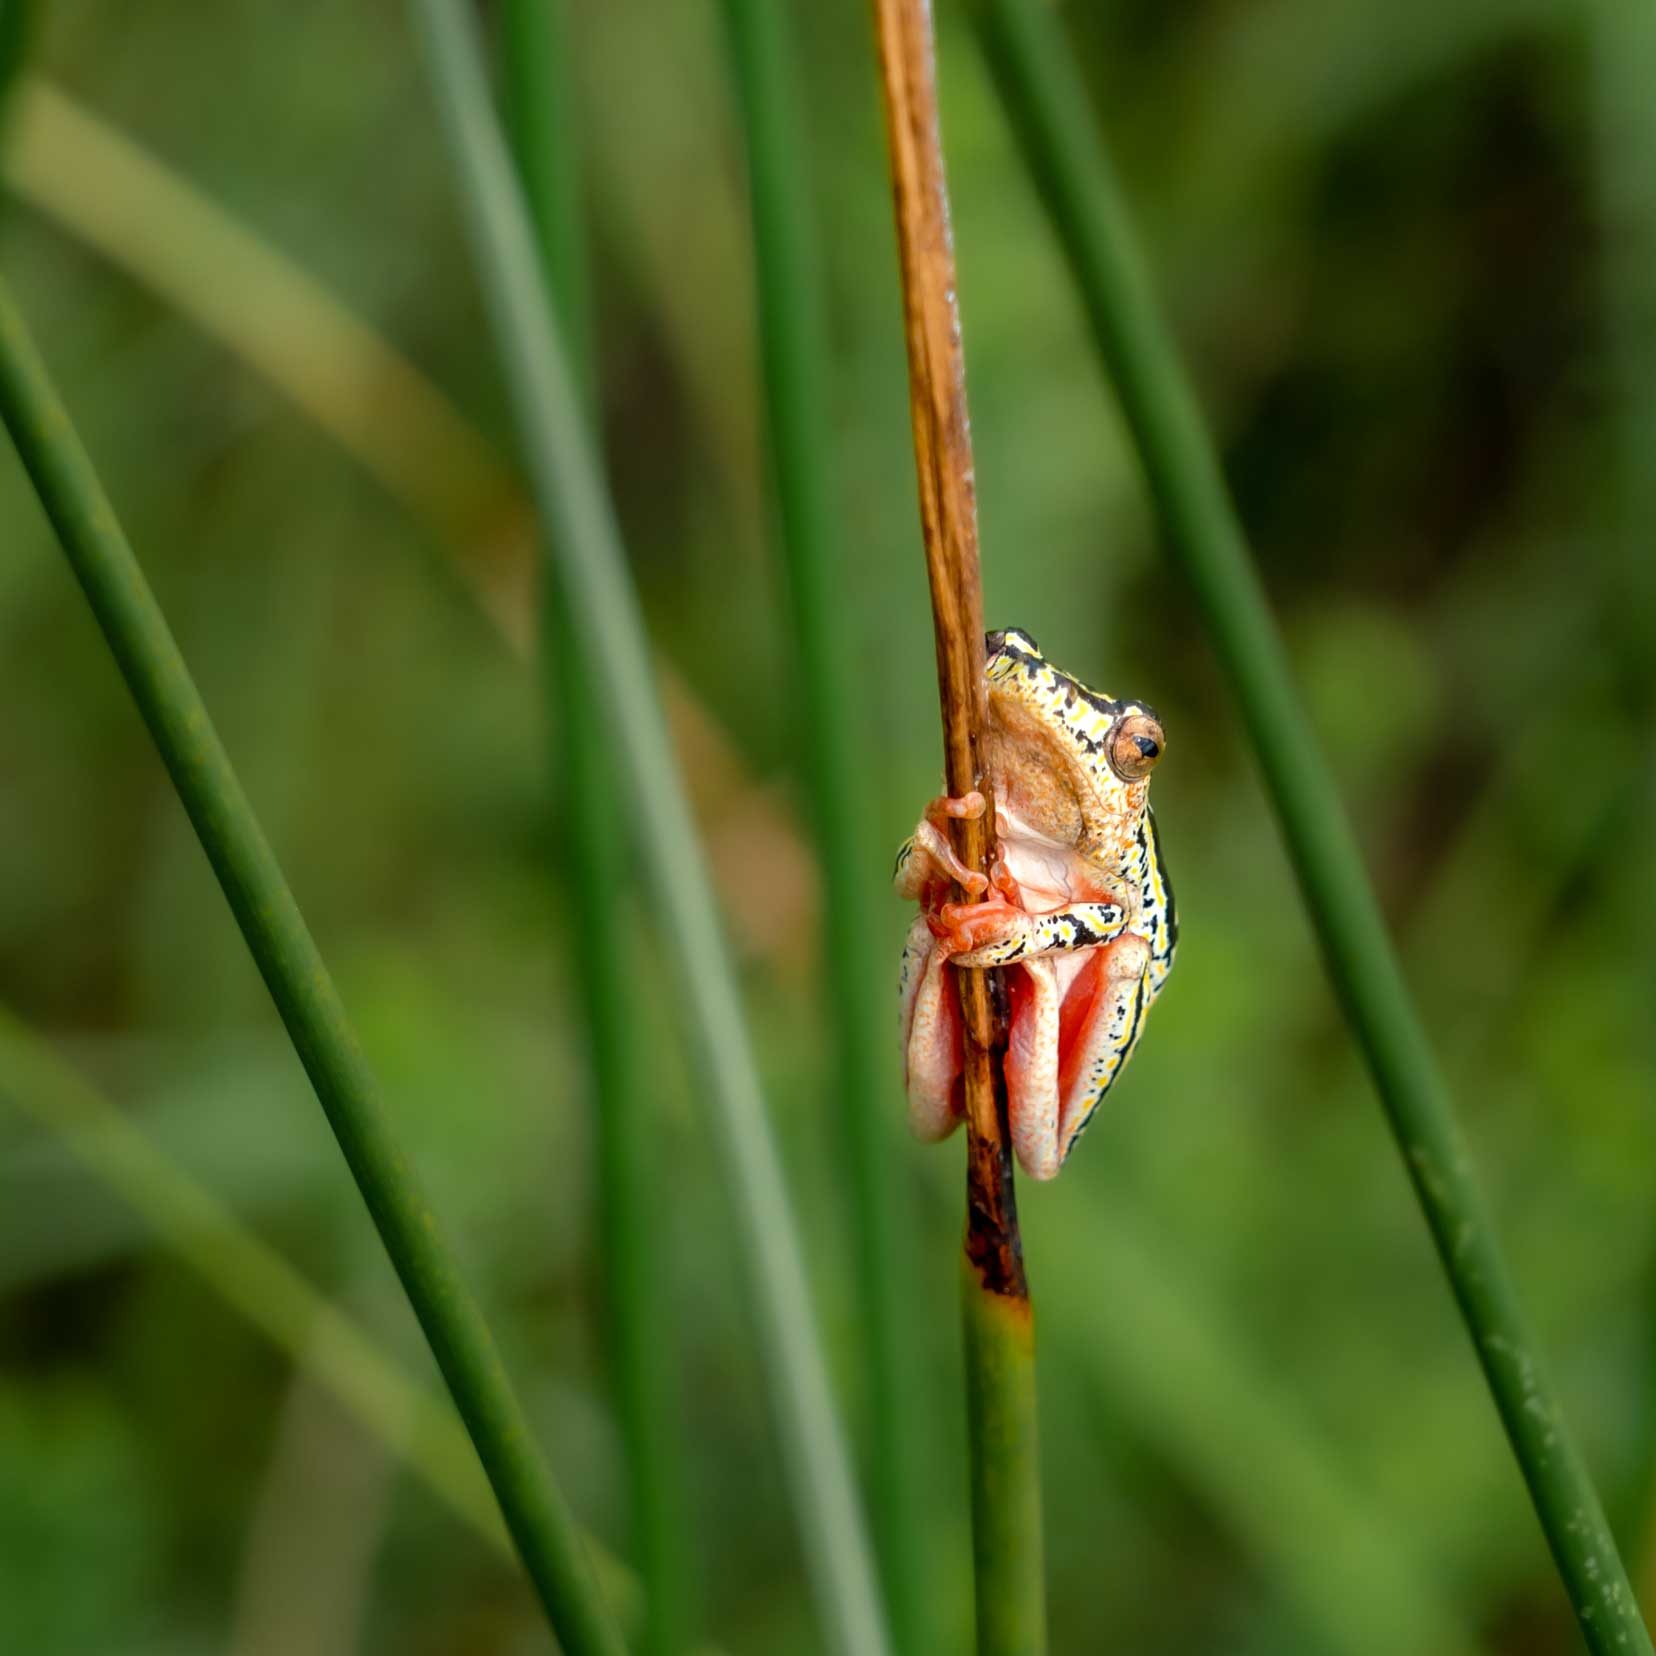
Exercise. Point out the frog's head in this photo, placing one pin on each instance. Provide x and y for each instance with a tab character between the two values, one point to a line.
1126	735
1008	646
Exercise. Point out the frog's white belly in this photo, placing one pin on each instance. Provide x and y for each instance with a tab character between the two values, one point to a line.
1050	877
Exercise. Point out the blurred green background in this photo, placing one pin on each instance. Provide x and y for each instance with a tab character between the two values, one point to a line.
1410	251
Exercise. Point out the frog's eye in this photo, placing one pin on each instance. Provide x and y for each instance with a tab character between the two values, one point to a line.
1136	744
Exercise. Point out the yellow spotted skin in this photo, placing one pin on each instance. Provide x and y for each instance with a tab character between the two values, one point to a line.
1118	828
1082	901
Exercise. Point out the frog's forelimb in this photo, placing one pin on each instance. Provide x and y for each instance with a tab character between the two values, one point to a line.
996	932
928	855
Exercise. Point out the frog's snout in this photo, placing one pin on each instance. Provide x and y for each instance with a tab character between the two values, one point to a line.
1015	638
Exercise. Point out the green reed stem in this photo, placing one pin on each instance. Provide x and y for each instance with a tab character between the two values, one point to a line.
299	984
585	540
1054	125
541	110
1009	1584
542	113
794	353
16	31
1621	39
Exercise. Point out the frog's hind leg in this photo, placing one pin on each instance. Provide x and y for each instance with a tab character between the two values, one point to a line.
933	1053
1032	1066
1099	1026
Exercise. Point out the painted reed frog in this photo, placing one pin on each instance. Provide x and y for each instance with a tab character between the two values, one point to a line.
1080	913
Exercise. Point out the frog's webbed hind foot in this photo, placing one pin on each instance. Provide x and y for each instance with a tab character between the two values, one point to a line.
1064	1053
933	1046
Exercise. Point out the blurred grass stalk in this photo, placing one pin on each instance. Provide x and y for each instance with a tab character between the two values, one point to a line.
998	1326
277	319
792	320
1169	1359
543	121
1622	59
301	987
17	19
246	1273
582	534
117	198
1051	117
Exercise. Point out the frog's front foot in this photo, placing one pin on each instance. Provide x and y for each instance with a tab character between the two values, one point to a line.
989	933
929	855
969	805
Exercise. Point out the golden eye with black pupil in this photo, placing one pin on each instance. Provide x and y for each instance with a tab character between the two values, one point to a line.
1135	744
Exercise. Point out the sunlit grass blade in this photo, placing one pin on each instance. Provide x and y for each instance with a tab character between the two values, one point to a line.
1054	125
121	200
542	113
300	985
585	540
793	348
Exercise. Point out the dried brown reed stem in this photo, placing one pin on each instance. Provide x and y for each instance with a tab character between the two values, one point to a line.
948	518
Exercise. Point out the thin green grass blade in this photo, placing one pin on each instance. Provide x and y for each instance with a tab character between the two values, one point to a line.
1169	1359
245	1272
1621	39
543	121
248	1274
301	987
1054	125
580	524
794	354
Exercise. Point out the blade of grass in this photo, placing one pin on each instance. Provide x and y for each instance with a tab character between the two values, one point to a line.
249	1275
258	1284
295	332
586	544
999	1326
275	317
16	30
1050	115
301	987
542	119
794	355
1172	1362
1621	37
